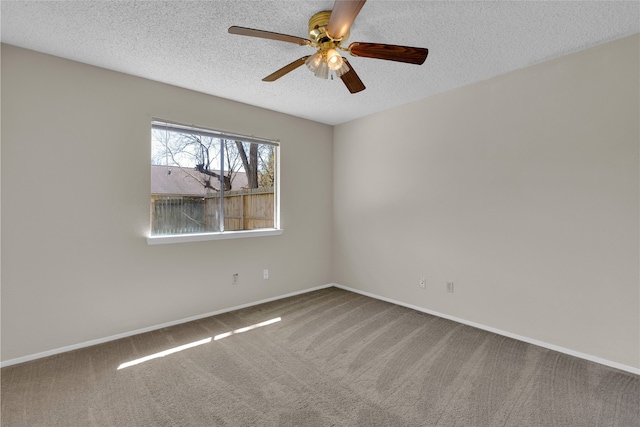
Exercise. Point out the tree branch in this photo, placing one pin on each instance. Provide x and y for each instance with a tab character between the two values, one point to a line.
227	182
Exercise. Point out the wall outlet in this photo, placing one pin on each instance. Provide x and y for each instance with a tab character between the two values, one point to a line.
449	286
234	280
265	274
423	283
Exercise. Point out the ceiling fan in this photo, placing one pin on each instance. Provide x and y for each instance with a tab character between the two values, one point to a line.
327	31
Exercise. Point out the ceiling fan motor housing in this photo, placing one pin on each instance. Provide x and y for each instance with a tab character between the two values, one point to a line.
318	28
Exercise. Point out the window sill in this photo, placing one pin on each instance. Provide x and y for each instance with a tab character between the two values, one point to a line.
202	237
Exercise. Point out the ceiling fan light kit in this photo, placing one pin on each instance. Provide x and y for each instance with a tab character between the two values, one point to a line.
326	62
327	31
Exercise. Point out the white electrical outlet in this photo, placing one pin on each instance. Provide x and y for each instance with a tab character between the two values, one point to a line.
234	280
265	274
423	283
449	286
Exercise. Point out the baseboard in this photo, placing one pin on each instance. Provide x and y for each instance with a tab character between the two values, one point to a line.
150	328
499	332
358	291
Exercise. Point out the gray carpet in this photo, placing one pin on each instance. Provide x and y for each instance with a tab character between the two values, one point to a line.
336	358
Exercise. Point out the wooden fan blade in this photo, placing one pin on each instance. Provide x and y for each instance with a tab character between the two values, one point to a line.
242	31
411	55
351	80
342	16
286	69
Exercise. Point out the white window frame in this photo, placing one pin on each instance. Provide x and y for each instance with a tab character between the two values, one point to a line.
221	235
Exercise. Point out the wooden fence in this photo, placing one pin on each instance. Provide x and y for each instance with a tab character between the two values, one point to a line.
243	210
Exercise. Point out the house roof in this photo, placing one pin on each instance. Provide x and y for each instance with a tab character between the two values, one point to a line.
173	180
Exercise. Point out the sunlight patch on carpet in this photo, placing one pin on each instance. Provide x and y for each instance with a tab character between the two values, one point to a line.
246	328
164	353
196	343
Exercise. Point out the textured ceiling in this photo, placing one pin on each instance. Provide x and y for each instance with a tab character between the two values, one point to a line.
185	43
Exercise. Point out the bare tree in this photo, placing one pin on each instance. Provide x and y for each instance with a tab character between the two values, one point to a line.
267	173
192	152
204	150
259	164
202	154
250	163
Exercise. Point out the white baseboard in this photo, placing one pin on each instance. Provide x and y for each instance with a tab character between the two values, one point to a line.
570	352
369	294
149	329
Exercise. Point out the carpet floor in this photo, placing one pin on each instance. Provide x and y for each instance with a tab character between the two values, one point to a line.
334	358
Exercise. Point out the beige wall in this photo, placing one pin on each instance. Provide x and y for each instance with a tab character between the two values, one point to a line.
75	207
522	189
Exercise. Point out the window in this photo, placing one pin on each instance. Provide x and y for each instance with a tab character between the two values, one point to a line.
207	184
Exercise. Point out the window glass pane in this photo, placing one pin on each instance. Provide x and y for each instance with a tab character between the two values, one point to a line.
184	182
249	205
202	182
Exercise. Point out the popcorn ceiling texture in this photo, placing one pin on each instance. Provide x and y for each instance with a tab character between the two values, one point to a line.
186	44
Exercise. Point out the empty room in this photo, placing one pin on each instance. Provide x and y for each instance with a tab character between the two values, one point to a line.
320	213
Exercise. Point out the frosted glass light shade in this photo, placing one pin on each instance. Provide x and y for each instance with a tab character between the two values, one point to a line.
314	61
323	70
326	62
334	60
